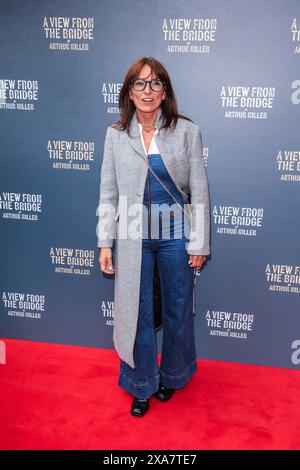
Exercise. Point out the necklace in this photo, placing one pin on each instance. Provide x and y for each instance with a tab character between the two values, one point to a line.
147	128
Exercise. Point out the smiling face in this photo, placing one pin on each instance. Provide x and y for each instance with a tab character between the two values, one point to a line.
147	101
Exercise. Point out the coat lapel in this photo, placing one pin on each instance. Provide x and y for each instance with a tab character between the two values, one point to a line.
135	138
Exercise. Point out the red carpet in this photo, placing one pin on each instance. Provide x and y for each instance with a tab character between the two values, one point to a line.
67	397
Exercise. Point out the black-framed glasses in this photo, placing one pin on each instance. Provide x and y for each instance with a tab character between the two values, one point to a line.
140	84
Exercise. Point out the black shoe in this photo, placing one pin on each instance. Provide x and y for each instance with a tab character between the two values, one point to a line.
164	393
139	406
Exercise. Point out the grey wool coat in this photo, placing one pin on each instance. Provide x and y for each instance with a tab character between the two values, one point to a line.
124	173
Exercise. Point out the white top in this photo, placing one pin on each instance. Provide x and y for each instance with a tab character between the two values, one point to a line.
153	147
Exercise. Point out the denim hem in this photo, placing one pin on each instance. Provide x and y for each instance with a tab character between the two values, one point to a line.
139	391
178	381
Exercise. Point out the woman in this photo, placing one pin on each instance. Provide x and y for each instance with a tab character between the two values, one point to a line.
151	135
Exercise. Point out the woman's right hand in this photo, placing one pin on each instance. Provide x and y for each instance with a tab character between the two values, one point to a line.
105	261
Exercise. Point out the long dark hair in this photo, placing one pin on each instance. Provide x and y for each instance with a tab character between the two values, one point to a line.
168	106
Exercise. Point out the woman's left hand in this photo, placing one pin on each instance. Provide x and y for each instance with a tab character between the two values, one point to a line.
196	261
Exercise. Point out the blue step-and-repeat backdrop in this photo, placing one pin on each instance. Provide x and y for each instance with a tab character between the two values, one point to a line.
235	67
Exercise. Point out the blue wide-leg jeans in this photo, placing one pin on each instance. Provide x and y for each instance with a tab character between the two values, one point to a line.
178	357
